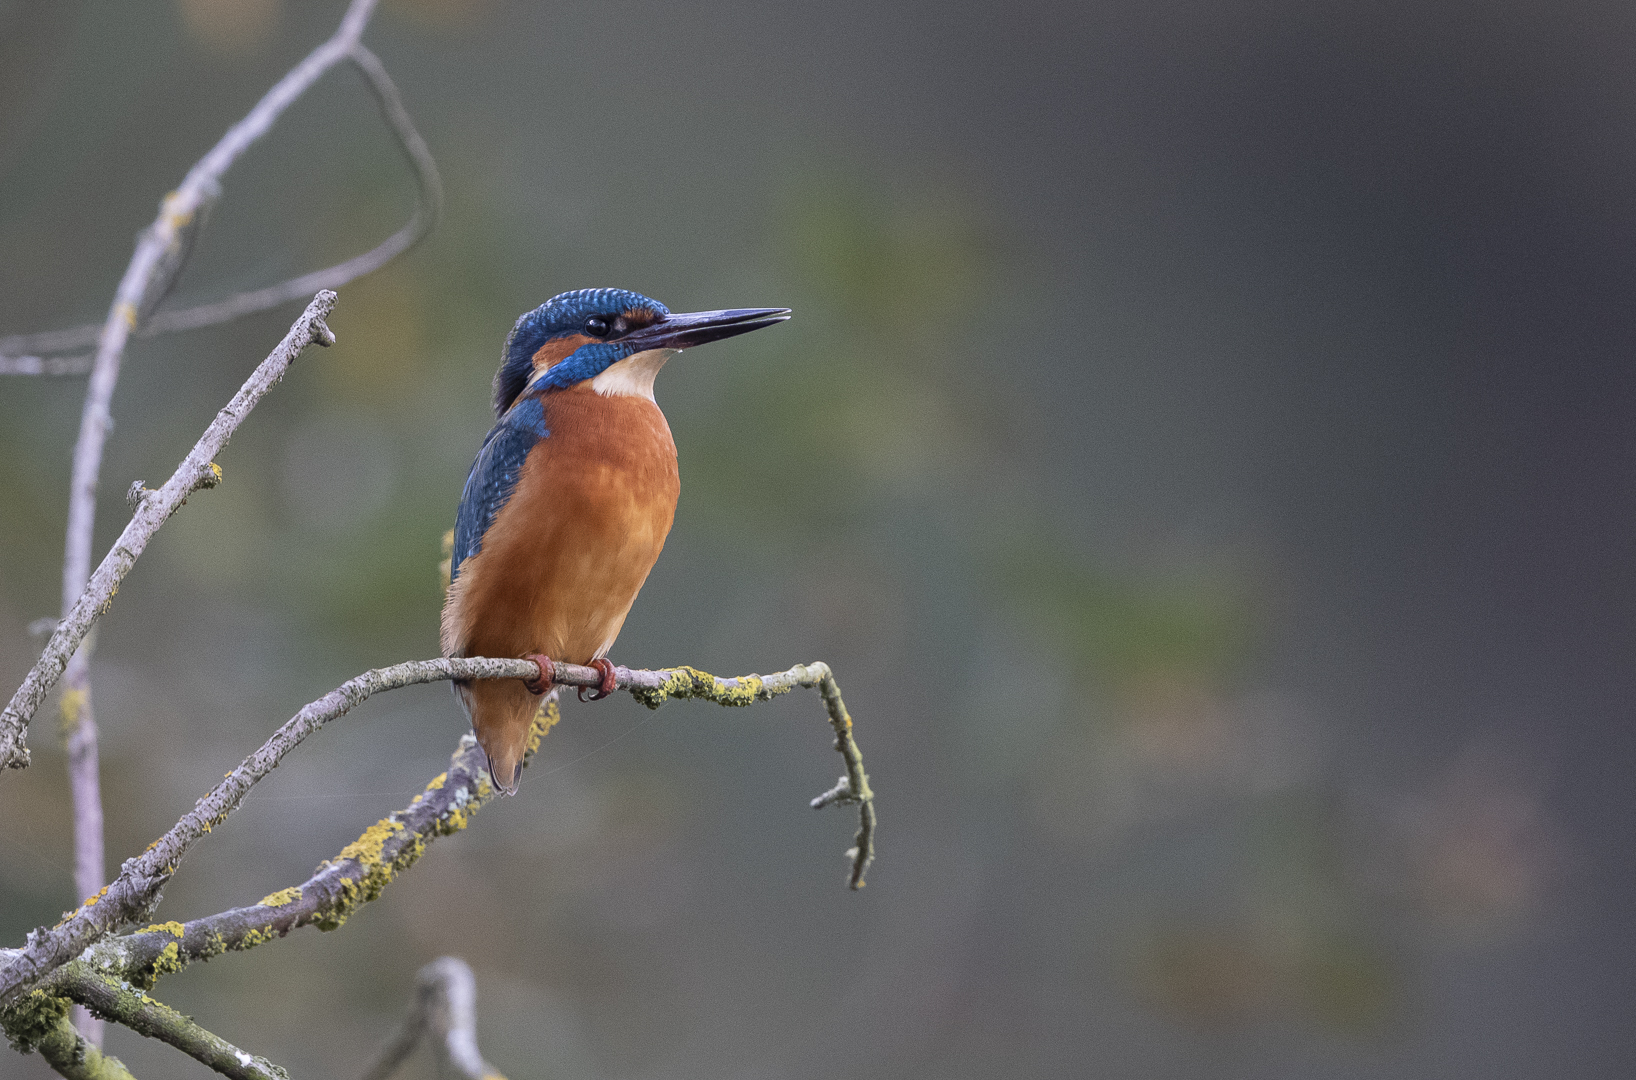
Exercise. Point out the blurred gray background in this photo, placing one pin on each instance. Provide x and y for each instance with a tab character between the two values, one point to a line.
1201	449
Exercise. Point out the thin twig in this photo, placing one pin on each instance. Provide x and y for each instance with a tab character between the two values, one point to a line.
79	730
365	867
428	210
47	365
652	688
857	781
445	1007
197	470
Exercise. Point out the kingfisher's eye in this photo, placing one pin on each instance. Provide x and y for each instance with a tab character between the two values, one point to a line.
596	327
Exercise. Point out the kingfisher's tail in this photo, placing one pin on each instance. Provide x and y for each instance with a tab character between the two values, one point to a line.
501	712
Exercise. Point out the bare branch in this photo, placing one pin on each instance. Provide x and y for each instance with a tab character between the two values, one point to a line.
52	341
428	210
364	868
445	1006
198	469
79	730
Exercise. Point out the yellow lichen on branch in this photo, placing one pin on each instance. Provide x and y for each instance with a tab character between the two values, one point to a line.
690	682
175	929
281	897
376	869
545	718
32	1019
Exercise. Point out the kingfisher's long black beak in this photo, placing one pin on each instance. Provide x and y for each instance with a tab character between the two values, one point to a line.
697	327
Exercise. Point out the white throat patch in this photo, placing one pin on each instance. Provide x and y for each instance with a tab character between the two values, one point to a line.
632	376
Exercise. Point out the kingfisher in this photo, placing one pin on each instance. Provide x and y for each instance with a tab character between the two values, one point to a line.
570	499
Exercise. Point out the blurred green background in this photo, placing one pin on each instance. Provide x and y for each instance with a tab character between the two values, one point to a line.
1202	450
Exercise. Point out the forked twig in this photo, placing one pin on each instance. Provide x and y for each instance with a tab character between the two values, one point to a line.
197	470
445	1009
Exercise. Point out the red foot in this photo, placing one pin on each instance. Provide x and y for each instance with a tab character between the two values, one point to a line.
546	679
604	665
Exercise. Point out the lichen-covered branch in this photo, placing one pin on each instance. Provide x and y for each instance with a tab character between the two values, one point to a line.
131	1007
197	470
127	966
135	891
653	688
70	1054
444	1007
355	876
47	1029
364	868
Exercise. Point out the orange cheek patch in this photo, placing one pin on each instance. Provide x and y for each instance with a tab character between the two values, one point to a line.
636	318
556	351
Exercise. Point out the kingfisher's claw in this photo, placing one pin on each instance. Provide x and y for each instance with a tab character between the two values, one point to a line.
546	679
604	665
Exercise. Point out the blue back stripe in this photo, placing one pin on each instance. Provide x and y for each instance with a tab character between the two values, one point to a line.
493	476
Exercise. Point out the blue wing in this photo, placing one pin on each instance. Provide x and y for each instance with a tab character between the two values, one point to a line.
494	475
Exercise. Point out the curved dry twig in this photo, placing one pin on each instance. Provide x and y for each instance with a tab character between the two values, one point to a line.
428	211
197	470
365	867
444	1007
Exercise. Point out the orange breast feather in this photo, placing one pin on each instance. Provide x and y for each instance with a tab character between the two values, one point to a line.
562	563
